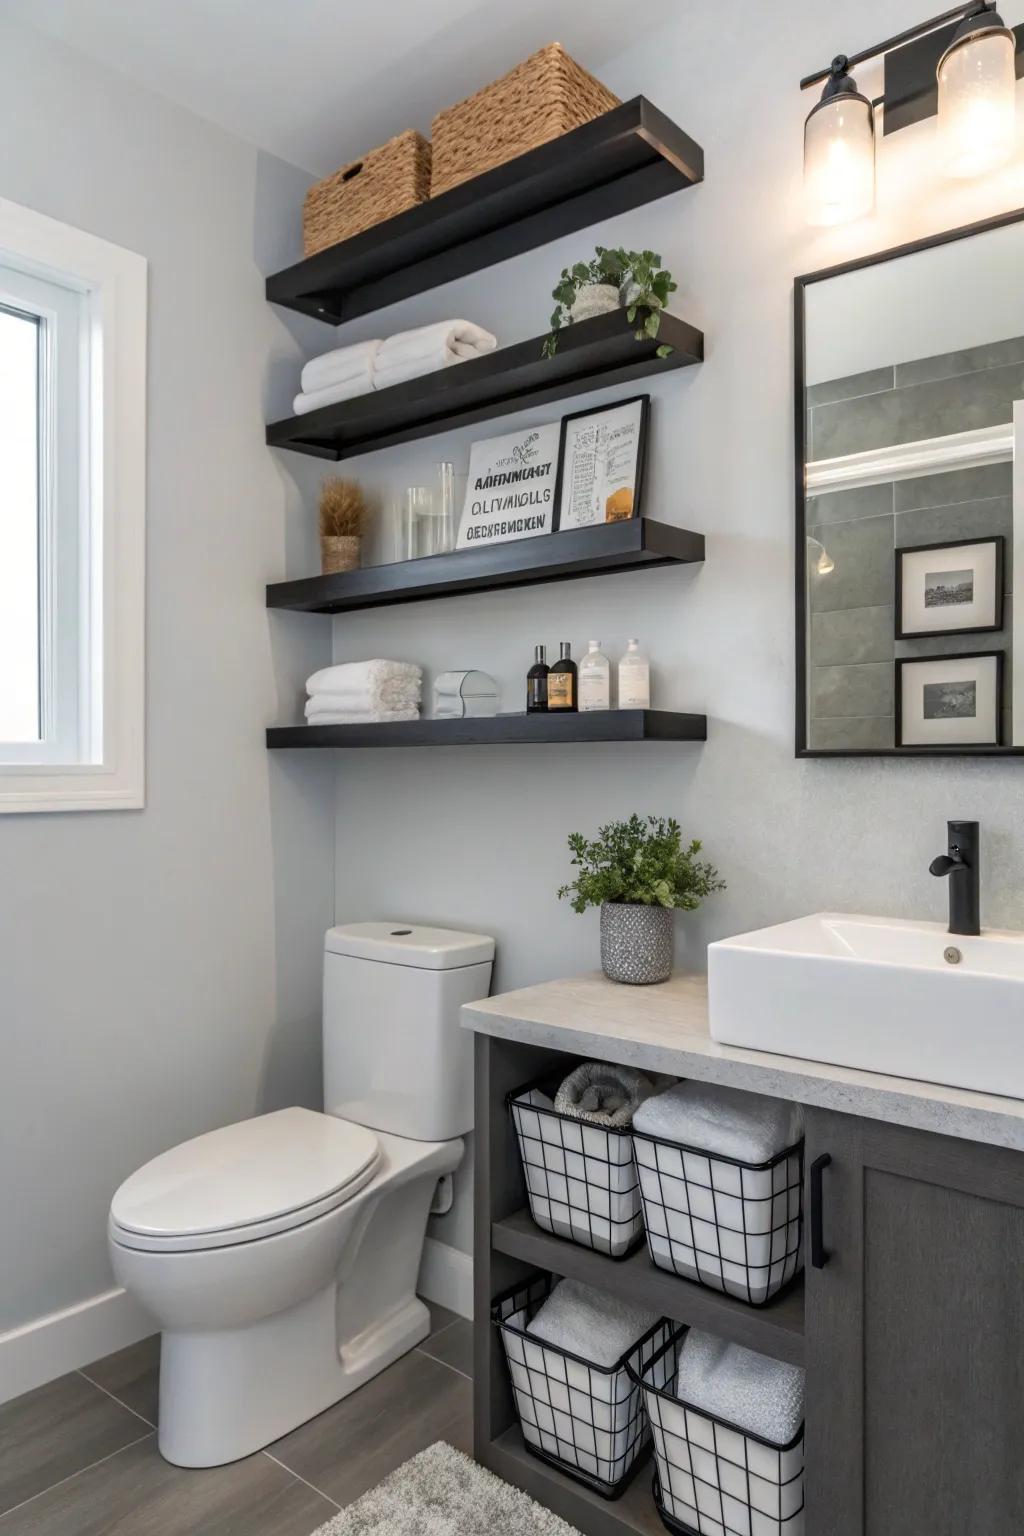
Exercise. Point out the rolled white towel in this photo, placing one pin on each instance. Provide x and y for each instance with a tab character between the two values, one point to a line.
360	716
459	338
603	1094
348	676
333	394
761	1395
338	365
590	1323
722	1121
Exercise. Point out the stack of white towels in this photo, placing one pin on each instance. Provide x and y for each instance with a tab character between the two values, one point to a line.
368	365
360	692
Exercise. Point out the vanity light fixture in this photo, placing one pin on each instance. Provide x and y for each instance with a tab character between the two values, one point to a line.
839	151
961	65
977	111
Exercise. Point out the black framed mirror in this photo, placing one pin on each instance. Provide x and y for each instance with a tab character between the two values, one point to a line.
909	405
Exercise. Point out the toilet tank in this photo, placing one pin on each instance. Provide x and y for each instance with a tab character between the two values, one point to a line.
395	1056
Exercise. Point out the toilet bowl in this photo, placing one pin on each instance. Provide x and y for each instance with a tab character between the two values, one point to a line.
279	1255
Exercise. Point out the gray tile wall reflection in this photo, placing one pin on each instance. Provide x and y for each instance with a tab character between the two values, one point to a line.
931	397
851	617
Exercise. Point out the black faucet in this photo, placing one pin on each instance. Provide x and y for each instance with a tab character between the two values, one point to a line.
962	865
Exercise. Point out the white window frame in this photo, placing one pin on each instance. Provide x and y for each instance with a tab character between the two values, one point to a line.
107	740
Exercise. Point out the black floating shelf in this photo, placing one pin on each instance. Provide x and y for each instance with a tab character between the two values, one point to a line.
623	159
591	354
638	544
500	730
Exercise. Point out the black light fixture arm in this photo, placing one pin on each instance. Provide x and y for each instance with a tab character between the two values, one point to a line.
972	8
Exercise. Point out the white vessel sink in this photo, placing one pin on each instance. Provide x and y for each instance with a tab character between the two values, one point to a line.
879	994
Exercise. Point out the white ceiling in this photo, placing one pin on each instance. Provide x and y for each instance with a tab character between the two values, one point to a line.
319	82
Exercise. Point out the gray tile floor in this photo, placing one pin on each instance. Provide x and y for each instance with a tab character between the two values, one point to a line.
78	1457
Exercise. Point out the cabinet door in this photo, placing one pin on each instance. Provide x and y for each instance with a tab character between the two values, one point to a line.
915	1335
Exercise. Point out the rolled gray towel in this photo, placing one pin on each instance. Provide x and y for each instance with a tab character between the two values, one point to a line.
603	1094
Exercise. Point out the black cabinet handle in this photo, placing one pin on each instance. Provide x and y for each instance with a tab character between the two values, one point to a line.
819	1258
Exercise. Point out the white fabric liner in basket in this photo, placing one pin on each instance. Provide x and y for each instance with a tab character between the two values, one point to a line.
715	1479
580	1179
586	1418
734	1228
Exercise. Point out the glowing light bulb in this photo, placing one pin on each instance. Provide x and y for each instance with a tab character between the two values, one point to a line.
977	110
839	153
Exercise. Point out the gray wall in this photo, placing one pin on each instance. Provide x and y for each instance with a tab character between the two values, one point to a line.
160	970
477	838
851	644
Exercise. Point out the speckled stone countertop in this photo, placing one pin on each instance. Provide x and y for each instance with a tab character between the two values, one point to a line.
665	1029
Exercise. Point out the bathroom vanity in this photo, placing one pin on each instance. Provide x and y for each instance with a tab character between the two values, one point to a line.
911	1330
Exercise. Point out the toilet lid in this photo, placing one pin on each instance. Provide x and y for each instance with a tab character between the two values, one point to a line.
287	1163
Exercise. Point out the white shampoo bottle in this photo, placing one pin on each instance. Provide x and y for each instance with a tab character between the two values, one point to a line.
595	679
634	679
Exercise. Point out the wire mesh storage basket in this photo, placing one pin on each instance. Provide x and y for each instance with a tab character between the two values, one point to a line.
713	1478
580	1179
587	1420
733	1226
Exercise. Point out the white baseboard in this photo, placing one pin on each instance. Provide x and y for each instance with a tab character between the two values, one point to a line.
446	1277
62	1341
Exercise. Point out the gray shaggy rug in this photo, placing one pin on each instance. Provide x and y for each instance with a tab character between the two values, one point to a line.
441	1492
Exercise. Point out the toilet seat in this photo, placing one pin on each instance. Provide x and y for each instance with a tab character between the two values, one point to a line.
243	1182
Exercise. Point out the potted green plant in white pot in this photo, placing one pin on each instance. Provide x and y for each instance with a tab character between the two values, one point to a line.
639	874
613	279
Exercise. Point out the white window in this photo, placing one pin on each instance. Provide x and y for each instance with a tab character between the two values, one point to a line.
72	517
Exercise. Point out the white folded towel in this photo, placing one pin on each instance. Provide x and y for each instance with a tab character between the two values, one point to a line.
360	716
459	339
350	676
722	1121
322	704
338	365
603	1094
388	696
761	1395
333	394
590	1323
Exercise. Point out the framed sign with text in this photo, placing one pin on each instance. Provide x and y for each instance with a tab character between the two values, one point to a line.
601	464
510	491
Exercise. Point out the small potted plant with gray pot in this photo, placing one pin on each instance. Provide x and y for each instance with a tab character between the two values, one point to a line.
638	873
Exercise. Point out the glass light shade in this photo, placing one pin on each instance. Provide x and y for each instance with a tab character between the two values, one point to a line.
977	109
839	160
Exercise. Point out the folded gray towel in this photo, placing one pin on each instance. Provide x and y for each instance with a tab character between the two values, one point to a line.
761	1395
590	1323
603	1094
722	1121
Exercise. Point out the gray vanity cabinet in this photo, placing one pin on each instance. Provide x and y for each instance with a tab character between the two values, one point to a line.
915	1335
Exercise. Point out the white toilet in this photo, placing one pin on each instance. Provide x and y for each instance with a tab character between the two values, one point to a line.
279	1255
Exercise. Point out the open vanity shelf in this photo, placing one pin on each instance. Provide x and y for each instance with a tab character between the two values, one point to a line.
775	1329
509	1247
501	730
637	544
621	160
592	354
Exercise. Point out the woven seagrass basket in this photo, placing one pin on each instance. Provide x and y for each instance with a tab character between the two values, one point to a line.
385	182
547	95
